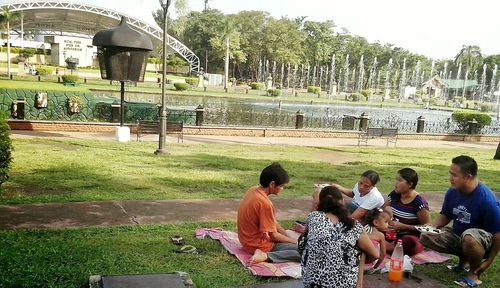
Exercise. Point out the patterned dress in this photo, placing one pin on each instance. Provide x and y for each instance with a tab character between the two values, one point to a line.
331	255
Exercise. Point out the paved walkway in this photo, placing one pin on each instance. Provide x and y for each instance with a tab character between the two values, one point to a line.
110	213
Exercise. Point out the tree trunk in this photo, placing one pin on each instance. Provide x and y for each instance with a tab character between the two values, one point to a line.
497	154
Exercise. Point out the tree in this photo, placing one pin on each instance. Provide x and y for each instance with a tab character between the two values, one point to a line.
318	42
228	42
7	16
200	28
5	148
470	56
284	42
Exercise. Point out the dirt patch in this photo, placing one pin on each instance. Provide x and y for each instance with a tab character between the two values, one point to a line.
334	157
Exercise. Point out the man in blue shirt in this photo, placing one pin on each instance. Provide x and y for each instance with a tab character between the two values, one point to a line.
475	211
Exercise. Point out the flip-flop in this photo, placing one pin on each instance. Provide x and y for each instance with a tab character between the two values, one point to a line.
177	240
467	282
187	249
457	268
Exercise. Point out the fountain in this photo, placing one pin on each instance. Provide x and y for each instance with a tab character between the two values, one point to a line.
273	75
353	80
346	74
459	72
259	72
402	81
301	84
361	73
282	74
416	74
267	70
320	82
492	82
332	85
387	84
373	72
288	76
483	82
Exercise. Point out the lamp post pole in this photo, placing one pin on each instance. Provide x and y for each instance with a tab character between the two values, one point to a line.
163	109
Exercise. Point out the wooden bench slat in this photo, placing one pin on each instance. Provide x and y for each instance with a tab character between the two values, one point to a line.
153	127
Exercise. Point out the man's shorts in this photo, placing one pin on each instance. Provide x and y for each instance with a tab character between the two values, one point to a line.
451	243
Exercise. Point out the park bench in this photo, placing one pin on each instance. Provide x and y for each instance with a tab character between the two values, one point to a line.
390	134
153	127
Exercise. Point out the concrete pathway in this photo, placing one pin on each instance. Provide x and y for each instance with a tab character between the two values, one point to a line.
242	140
113	213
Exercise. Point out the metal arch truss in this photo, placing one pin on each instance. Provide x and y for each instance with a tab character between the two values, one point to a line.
176	45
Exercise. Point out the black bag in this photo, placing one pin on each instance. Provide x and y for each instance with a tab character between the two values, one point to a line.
302	242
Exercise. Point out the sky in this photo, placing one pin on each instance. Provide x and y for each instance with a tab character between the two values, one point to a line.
434	28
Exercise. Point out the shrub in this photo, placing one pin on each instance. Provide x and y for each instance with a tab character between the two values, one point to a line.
366	93
44	71
257	86
192	81
240	82
485	108
354	97
462	117
274	92
179	86
5	148
313	89
70	78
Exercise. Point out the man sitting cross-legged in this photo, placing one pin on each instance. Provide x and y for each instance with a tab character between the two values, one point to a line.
475	212
258	231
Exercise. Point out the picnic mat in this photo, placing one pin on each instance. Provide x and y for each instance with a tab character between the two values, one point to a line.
230	242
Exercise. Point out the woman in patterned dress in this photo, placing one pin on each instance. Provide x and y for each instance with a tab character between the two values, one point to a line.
334	244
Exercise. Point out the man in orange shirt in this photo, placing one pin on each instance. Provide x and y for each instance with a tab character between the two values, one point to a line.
258	231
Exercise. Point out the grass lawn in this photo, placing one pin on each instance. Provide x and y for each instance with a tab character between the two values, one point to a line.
60	170
66	258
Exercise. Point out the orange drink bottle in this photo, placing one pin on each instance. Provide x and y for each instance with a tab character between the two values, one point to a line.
396	268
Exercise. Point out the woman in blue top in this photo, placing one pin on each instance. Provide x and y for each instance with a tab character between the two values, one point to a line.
408	209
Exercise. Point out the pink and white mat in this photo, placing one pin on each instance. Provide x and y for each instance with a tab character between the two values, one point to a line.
230	242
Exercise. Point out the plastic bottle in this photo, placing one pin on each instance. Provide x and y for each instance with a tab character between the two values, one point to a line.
396	268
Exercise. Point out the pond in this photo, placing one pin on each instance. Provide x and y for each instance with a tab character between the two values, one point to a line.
275	113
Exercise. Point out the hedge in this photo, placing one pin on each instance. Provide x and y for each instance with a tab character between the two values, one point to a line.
179	86
274	92
5	148
313	89
462	117
44	71
257	86
192	81
70	78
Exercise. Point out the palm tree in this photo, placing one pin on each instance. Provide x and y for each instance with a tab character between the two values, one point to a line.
470	56
6	16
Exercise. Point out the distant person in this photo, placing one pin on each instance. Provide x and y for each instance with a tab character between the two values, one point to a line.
365	196
258	230
334	243
475	211
408	210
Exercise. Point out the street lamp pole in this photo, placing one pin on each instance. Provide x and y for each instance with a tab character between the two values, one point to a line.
163	109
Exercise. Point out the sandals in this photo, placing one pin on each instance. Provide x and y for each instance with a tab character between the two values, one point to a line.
177	240
187	249
467	282
457	268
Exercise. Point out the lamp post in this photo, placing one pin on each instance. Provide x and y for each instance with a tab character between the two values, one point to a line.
122	53
163	109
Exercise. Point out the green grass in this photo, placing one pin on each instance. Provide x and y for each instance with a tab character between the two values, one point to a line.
55	170
66	258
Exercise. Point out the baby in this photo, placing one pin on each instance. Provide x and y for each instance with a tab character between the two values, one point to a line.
377	223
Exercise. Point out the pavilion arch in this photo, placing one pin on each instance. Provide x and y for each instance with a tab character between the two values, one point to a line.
84	20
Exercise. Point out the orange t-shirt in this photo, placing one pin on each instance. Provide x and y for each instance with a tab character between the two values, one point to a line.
256	220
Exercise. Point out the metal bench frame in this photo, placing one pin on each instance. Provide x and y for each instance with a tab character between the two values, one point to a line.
390	134
153	127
